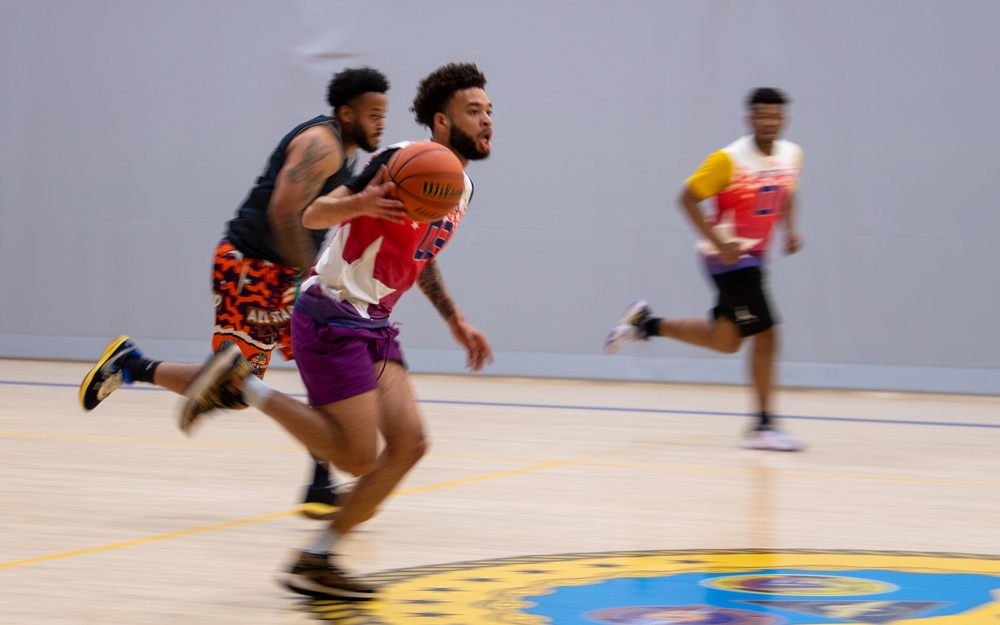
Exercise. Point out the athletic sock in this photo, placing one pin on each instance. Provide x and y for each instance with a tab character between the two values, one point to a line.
763	421
325	541
255	392
652	326
139	368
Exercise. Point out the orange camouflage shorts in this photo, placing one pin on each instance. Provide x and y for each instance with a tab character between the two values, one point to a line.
253	305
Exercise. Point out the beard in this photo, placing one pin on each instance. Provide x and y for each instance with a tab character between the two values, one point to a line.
359	136
465	144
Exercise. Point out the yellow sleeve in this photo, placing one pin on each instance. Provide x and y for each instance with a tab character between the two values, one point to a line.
712	177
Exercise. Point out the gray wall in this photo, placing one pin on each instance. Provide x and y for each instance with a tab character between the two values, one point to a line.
130	131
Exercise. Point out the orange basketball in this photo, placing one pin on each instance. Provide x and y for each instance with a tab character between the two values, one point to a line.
429	178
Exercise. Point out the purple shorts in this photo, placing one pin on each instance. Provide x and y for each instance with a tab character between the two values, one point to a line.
338	363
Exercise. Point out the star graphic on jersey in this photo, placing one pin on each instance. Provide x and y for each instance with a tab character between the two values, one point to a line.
359	278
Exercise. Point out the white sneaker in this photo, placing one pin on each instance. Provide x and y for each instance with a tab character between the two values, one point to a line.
630	327
771	440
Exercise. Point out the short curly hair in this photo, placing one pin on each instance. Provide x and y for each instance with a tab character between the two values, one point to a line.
766	95
352	82
436	89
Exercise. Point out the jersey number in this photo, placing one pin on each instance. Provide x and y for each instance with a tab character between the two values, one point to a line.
434	239
768	200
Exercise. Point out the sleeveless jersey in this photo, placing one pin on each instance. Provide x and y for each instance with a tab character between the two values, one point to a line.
751	190
370	262
249	231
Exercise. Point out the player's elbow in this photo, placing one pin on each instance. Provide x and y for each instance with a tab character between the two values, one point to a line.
311	220
686	199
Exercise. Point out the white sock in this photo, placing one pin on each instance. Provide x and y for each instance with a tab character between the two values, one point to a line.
255	392
325	541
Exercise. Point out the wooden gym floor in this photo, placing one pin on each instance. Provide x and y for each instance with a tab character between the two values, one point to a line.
113	517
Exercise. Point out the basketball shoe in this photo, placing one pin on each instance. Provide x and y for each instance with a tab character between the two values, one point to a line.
217	386
314	576
107	375
771	439
321	503
631	327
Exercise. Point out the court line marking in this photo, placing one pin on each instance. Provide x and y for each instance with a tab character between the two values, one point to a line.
589	460
707	413
147	441
268	517
540	466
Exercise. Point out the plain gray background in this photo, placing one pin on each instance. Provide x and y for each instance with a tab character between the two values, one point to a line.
130	132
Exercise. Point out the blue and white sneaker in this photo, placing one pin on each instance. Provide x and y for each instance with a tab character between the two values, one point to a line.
631	327
107	375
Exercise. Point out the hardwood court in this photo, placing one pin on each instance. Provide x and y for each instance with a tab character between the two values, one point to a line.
113	517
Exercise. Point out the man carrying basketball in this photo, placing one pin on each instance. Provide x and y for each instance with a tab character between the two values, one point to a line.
345	344
753	180
266	252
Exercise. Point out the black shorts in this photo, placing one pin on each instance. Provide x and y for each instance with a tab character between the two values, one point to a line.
743	301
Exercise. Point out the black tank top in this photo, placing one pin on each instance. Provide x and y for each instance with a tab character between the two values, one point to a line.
249	230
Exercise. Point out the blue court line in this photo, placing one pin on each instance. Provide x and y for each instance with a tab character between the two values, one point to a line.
491	404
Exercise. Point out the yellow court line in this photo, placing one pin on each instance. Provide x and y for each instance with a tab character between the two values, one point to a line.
480	478
147	441
589	460
543	465
268	517
143	541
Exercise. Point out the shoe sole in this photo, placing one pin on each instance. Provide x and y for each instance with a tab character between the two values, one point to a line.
767	448
631	311
321	592
626	319
221	363
318	511
206	379
109	351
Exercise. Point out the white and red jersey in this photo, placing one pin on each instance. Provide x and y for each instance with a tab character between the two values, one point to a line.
751	188
371	262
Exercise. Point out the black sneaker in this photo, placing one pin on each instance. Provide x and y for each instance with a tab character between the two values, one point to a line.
107	375
322	503
312	575
217	386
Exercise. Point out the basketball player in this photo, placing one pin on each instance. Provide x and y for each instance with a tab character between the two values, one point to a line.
346	346
266	252
753	180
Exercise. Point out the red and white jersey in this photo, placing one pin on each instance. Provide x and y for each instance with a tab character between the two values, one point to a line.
751	188
370	262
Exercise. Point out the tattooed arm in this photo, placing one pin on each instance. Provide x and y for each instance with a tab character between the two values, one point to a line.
476	346
313	156
432	285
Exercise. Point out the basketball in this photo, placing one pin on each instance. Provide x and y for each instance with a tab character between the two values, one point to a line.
429	178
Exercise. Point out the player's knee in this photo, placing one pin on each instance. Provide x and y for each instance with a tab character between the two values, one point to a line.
359	465
726	340
409	449
729	345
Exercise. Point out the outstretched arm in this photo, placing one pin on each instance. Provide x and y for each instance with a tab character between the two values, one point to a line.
476	346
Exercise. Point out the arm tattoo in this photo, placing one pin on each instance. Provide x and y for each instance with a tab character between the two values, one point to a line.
432	285
307	174
291	240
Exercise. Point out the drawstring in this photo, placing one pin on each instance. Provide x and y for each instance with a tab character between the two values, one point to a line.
388	344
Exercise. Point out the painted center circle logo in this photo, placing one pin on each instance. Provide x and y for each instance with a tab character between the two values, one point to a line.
731	587
805	585
687	615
